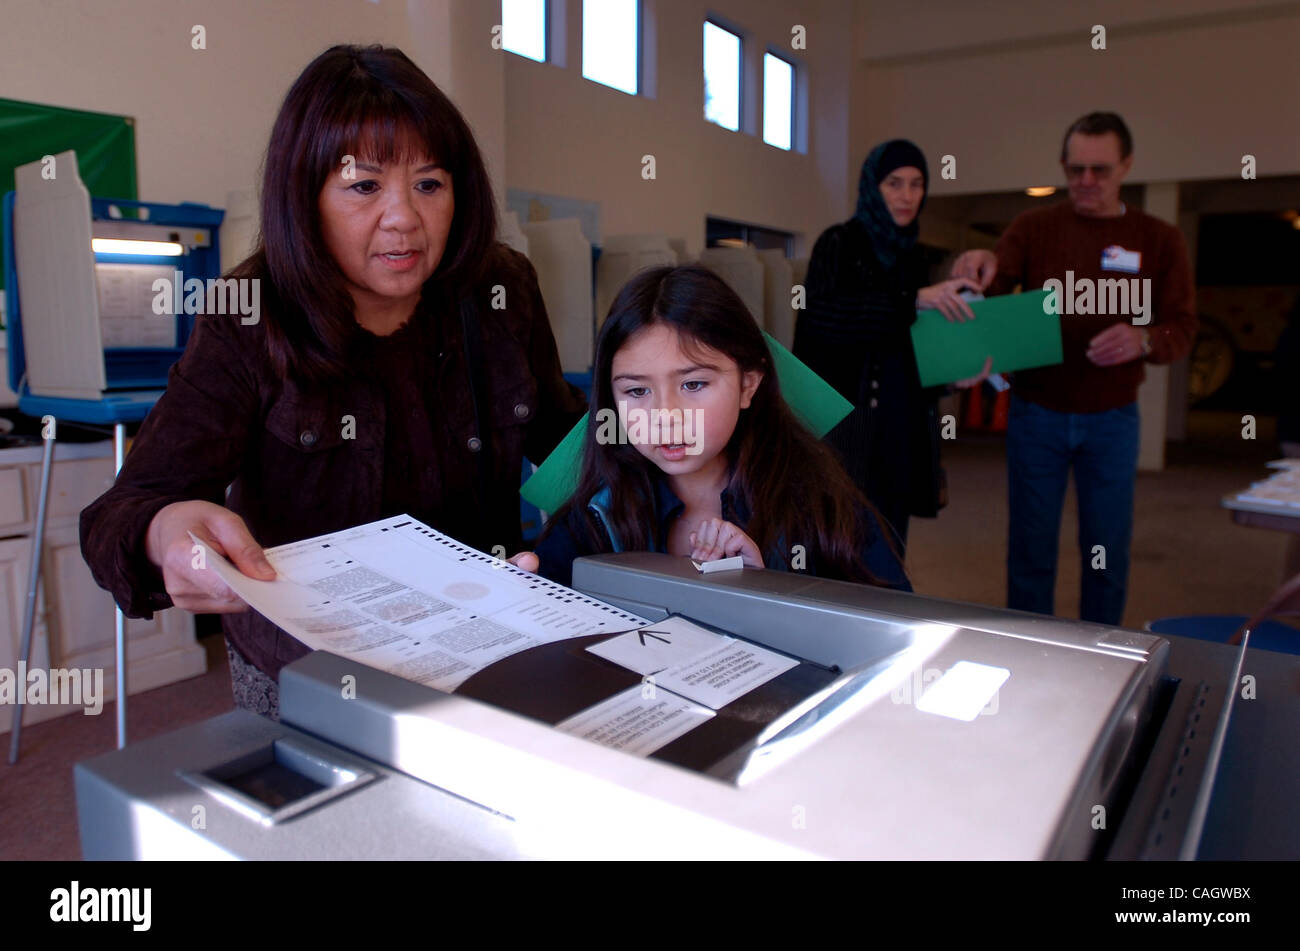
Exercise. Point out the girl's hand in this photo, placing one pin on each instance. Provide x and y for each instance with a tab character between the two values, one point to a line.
943	298
169	546
525	560
716	538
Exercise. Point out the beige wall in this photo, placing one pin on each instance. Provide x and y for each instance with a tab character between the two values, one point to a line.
1200	82
572	137
903	29
202	116
451	40
994	86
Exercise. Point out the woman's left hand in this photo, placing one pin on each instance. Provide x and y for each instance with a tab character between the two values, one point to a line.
944	298
717	538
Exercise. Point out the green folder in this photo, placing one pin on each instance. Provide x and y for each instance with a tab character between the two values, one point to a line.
815	403
1012	329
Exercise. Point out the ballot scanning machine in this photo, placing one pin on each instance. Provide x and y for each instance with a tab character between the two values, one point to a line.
914	728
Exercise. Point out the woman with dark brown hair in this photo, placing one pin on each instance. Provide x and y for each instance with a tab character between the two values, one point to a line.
403	363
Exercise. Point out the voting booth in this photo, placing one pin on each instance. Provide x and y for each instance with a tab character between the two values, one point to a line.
97	292
829	720
100	296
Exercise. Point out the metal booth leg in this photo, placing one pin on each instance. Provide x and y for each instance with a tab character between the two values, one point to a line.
33	585
119	453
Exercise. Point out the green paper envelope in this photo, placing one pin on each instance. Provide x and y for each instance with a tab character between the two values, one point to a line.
1013	329
814	402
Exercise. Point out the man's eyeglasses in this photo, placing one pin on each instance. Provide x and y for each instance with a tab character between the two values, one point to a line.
1099	172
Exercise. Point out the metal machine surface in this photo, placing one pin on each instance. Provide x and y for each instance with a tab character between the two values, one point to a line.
866	768
1024	778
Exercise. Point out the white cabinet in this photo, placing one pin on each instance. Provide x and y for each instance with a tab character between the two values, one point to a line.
75	619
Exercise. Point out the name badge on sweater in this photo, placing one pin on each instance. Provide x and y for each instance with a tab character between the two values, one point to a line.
1115	258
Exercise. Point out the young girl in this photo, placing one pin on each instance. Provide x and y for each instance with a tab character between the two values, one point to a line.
707	460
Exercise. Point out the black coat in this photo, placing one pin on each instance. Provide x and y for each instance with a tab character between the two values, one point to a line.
855	333
227	417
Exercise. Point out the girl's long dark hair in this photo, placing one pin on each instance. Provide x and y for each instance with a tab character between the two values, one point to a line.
371	103
791	482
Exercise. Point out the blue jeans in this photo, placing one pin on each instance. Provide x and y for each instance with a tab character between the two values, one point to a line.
1042	445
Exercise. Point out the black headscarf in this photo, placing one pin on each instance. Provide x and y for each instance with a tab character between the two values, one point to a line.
888	240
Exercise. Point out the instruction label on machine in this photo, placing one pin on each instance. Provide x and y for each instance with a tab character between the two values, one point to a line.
639	720
686	659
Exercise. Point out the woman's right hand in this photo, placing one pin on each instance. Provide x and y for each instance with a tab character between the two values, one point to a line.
201	590
944	298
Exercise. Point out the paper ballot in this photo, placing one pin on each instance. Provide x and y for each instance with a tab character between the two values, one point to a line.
401	597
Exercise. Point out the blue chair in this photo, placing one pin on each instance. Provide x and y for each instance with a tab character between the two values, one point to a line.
1219	628
64	368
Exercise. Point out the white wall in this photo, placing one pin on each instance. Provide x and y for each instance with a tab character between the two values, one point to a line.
905	29
568	136
203	117
451	40
1200	83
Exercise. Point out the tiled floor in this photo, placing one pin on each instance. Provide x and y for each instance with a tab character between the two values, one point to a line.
38	813
1187	557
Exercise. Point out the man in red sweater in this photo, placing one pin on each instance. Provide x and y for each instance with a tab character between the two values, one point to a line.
1124	289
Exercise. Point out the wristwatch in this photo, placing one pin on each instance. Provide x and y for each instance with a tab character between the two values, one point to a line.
1146	342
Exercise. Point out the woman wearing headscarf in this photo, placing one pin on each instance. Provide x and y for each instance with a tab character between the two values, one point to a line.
866	281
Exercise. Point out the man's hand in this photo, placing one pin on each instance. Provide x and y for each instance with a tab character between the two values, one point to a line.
716	538
978	265
943	298
1114	345
169	546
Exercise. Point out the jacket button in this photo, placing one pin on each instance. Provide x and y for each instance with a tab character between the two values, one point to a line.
474	444
875	384
521	410
308	438
874	402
